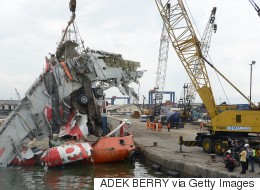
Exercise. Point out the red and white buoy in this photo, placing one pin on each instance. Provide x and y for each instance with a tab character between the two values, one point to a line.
66	153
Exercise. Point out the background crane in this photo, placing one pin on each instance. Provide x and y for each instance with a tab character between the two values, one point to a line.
17	94
225	123
255	6
189	92
187	47
161	71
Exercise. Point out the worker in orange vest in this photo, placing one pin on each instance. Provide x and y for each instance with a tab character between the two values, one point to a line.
148	124
155	125
159	127
168	127
151	125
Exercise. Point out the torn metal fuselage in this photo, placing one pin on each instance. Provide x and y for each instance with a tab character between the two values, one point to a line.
64	96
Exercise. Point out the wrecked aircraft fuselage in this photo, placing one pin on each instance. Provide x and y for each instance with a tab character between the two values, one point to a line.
68	85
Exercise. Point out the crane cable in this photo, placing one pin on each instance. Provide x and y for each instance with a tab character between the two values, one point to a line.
186	5
208	54
192	18
220	82
212	66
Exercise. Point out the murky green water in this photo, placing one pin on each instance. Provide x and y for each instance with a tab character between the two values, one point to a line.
70	177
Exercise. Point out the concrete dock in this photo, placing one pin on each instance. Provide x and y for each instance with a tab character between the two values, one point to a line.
191	162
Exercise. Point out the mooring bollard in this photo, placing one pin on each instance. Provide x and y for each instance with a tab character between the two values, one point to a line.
213	157
180	142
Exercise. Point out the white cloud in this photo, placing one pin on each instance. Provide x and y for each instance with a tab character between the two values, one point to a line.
30	30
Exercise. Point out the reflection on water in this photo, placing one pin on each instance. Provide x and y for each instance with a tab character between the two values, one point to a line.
70	177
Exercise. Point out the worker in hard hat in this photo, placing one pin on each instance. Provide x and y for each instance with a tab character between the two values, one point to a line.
152	126
159	126
251	158
148	124
257	154
168	126
247	154
229	161
243	160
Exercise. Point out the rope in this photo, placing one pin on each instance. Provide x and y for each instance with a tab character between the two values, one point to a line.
76	29
208	54
220	82
66	29
192	18
115	130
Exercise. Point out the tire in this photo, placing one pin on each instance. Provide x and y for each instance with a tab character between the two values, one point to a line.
83	99
98	92
173	173
207	145
134	156
218	147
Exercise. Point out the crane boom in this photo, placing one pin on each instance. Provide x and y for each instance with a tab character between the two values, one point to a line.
206	38
226	122
161	71
255	6
17	94
188	98
162	60
187	47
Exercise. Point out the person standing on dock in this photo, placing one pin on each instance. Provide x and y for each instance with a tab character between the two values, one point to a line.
168	126
251	158
243	160
155	123
152	126
201	126
247	154
148	124
257	154
159	127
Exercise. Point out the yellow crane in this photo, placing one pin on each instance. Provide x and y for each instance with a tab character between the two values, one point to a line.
189	91
225	123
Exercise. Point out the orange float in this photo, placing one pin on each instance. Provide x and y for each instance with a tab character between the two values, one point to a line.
112	149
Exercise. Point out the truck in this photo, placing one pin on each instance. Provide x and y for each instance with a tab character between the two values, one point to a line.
173	117
226	124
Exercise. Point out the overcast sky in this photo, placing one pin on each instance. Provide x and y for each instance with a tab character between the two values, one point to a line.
31	29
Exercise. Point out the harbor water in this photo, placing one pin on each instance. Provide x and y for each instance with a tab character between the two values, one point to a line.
71	177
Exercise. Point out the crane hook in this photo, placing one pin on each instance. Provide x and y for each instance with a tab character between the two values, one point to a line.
73	5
